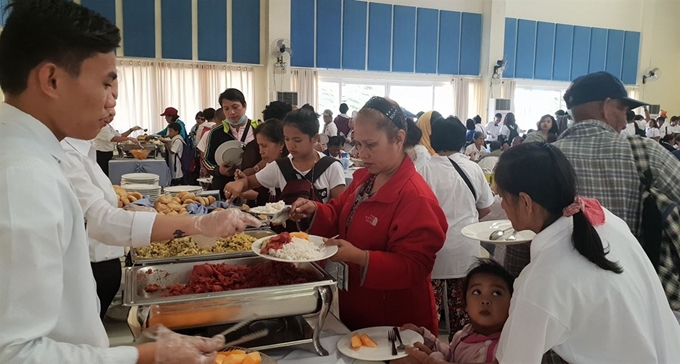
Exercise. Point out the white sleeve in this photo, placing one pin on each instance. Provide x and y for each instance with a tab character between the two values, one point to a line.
176	146
269	176
31	273
334	175
469	150
106	134
528	333
505	131
203	142
484	194
105	223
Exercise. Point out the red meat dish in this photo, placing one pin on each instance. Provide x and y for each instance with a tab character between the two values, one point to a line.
276	242
222	277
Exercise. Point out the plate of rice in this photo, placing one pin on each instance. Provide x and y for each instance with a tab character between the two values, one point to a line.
293	248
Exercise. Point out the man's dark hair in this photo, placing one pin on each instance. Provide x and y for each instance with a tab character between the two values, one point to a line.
498	116
639	117
448	135
175	126
495	145
276	110
343	108
233	95
209	114
630	115
57	31
336	141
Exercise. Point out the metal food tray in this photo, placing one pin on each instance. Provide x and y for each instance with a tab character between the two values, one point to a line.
265	302
255	233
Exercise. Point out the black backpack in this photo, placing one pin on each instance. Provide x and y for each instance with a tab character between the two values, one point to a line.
299	186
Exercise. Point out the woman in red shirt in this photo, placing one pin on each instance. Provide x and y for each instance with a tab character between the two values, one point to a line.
389	223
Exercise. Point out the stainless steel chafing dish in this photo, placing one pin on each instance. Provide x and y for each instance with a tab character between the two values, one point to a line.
280	302
125	148
255	233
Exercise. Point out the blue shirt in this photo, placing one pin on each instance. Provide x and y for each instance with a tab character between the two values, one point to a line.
182	132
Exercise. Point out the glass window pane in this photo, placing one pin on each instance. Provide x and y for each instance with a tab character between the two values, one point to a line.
443	99
531	104
356	95
412	98
329	98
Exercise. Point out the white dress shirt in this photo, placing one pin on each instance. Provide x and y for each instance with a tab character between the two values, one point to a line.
652	132
585	314
492	131
176	149
105	221
420	156
48	306
330	129
102	142
460	206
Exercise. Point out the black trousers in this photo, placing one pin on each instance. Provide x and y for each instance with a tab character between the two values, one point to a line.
107	274
103	159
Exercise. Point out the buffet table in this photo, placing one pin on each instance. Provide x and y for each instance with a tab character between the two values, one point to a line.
119	167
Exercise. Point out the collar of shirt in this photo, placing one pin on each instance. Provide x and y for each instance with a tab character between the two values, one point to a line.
556	233
83	147
28	125
390	191
587	128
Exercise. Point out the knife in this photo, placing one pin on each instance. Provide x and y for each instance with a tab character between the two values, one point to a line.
401	343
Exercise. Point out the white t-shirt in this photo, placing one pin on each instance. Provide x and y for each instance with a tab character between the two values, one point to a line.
271	177
460	207
629	130
474	153
420	156
176	149
668	129
480	128
102	142
585	314
330	129
653	132
492	131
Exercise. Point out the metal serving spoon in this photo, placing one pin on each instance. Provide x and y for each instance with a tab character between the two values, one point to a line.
498	234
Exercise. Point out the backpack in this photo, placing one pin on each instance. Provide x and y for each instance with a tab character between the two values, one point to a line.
660	226
299	186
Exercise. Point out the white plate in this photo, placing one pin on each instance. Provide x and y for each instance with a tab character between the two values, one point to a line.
230	153
481	231
140	176
140	187
254	210
178	189
384	350
329	250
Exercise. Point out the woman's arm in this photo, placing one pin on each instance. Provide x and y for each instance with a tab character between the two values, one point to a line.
129	131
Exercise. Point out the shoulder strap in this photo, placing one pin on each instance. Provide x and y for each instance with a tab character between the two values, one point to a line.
464	176
320	167
287	170
245	133
639	150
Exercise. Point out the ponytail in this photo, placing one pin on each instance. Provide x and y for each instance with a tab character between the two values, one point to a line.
588	243
413	134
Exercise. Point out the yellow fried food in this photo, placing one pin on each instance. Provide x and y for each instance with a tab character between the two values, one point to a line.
186	246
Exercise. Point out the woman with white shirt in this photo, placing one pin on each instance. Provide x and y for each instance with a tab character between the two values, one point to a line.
590	293
463	205
652	130
105	143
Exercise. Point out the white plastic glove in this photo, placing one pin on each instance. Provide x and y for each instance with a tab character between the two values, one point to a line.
222	224
174	348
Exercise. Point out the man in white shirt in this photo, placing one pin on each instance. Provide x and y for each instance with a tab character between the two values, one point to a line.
493	130
463	204
329	127
670	128
105	143
58	87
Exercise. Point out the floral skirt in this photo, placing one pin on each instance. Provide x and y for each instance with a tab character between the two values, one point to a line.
458	317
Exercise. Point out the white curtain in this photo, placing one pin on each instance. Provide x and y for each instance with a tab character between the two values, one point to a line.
476	97
508	92
147	87
461	97
305	83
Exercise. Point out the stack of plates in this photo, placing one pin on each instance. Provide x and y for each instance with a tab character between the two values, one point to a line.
146	190
173	190
139	179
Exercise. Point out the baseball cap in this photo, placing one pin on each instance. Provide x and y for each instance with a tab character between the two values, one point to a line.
327	112
170	111
598	86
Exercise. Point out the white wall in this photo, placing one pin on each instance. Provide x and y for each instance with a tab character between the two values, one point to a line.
611	14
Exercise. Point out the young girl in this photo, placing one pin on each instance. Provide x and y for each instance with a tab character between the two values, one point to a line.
488	288
305	171
653	130
476	150
547	127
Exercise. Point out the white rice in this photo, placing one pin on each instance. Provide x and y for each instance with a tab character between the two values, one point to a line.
269	208
298	249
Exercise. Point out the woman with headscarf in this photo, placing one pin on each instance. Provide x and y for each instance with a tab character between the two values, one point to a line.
422	152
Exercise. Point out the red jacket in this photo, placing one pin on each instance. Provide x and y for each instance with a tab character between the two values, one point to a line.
402	226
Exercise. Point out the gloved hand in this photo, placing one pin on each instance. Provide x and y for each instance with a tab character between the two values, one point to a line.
222	224
174	348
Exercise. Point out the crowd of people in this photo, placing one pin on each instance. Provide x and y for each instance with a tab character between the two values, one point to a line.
598	283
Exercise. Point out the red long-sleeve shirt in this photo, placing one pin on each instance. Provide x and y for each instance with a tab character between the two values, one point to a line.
402	227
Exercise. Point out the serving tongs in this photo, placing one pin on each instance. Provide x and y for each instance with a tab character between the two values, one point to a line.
244	338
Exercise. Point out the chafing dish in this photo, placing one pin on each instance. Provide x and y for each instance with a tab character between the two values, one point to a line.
255	233
125	148
219	308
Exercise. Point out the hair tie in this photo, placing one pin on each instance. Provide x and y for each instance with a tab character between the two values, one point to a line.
574	208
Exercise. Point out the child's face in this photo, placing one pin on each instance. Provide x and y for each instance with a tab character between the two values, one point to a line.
172	132
479	141
488	303
334	150
298	143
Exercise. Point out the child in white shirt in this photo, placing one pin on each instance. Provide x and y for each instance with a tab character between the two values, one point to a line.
175	149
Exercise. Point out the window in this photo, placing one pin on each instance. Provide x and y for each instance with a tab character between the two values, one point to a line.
413	98
355	95
329	96
532	103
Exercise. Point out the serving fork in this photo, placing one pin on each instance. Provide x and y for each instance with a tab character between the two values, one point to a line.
393	338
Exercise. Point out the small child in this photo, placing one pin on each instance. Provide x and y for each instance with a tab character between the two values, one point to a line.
175	150
488	289
334	146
